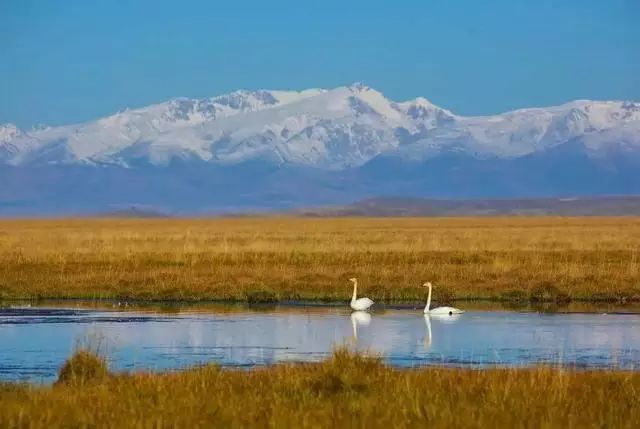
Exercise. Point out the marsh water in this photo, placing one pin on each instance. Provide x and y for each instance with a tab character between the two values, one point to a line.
35	340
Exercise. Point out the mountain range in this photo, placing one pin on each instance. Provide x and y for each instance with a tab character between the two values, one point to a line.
281	149
420	207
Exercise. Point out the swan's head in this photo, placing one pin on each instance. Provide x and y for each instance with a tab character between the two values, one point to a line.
427	284
353	280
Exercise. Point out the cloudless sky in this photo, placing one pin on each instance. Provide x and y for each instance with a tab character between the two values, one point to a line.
67	61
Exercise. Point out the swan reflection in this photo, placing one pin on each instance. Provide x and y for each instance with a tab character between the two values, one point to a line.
444	318
428	338
441	318
359	318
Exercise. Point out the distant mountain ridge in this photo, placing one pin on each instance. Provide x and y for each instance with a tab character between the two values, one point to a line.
279	149
397	206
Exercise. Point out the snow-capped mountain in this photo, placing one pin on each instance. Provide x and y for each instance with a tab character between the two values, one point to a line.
336	129
325	139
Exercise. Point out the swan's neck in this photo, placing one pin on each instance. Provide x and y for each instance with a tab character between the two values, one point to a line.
355	291
428	306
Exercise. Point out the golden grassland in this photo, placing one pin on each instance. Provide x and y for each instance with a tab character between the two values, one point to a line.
271	259
345	391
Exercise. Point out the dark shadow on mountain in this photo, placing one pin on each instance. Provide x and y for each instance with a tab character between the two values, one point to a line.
192	186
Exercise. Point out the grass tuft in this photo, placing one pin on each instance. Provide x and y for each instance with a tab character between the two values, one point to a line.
261	296
83	368
547	292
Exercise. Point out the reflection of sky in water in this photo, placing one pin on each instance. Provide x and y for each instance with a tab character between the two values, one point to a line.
34	343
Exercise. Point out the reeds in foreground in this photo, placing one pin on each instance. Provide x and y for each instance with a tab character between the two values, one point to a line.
346	391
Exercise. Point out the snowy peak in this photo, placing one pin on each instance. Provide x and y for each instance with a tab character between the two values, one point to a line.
188	111
331	129
358	87
8	132
425	114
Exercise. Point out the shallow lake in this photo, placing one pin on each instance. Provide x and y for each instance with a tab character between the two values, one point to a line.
35	341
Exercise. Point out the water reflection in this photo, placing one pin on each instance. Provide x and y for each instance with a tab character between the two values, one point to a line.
444	318
35	341
429	338
359	318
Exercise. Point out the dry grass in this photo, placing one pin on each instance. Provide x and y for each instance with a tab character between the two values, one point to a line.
266	259
346	391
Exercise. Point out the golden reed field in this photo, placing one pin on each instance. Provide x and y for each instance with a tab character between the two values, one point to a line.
272	259
345	391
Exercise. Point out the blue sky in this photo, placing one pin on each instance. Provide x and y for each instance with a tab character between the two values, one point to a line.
66	61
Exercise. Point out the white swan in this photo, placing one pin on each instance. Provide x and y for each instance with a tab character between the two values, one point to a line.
359	304
439	310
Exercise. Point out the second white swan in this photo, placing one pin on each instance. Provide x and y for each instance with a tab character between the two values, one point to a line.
439	310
